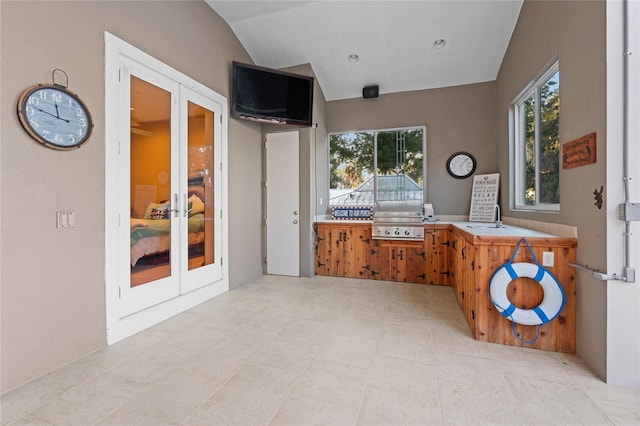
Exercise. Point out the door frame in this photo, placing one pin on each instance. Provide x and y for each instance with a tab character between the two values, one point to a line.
119	326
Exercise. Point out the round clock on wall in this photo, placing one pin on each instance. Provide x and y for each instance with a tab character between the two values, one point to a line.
461	165
54	116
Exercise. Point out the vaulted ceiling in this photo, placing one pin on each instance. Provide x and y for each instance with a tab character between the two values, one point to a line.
400	45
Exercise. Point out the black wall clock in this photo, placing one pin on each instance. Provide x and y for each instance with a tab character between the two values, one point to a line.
54	116
461	165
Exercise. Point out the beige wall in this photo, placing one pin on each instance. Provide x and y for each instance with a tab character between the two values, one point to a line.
457	118
53	303
575	31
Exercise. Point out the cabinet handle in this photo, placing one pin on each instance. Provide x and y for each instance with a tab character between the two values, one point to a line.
393	254
464	256
473	314
400	256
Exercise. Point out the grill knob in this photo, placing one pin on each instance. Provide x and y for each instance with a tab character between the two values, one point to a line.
406	232
387	232
397	232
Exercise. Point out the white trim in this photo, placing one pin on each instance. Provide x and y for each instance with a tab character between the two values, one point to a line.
623	299
119	327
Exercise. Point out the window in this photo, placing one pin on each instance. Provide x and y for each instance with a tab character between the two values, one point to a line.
378	166
536	145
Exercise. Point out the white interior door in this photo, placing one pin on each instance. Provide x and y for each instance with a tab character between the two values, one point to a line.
283	214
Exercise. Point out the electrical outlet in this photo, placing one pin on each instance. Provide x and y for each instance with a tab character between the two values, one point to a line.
547	258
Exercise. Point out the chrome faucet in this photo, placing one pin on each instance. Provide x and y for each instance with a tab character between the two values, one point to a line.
498	221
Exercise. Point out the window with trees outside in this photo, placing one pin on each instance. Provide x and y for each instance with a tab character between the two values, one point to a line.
536	145
372	167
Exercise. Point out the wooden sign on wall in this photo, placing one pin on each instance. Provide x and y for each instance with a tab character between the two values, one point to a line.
579	152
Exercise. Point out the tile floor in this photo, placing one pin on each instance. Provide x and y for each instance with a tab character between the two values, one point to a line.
320	351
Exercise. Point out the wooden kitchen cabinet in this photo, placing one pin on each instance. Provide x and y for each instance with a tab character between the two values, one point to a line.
347	250
476	258
343	250
436	247
400	261
462	253
466	261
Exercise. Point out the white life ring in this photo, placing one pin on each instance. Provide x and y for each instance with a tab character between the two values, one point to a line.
552	302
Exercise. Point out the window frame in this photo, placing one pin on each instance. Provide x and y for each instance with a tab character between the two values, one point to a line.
517	154
375	133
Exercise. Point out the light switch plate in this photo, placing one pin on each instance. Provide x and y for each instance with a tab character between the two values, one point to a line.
65	219
548	258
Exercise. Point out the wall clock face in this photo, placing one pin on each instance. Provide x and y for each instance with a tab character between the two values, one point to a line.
461	165
54	116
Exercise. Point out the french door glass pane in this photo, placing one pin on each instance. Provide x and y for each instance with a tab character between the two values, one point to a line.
200	186
150	172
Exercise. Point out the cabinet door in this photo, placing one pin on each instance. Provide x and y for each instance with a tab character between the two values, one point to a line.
357	248
400	261
414	261
467	255
456	246
322	249
375	260
337	253
381	261
343	250
436	246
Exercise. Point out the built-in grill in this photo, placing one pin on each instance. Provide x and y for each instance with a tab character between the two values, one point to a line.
398	225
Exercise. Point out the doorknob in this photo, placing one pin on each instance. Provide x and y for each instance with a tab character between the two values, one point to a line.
295	221
295	212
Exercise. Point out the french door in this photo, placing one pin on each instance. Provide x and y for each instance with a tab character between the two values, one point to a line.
165	187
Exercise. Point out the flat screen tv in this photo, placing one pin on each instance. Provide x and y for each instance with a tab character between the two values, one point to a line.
269	95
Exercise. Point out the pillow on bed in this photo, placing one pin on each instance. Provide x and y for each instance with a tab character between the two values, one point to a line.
157	211
197	206
138	224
